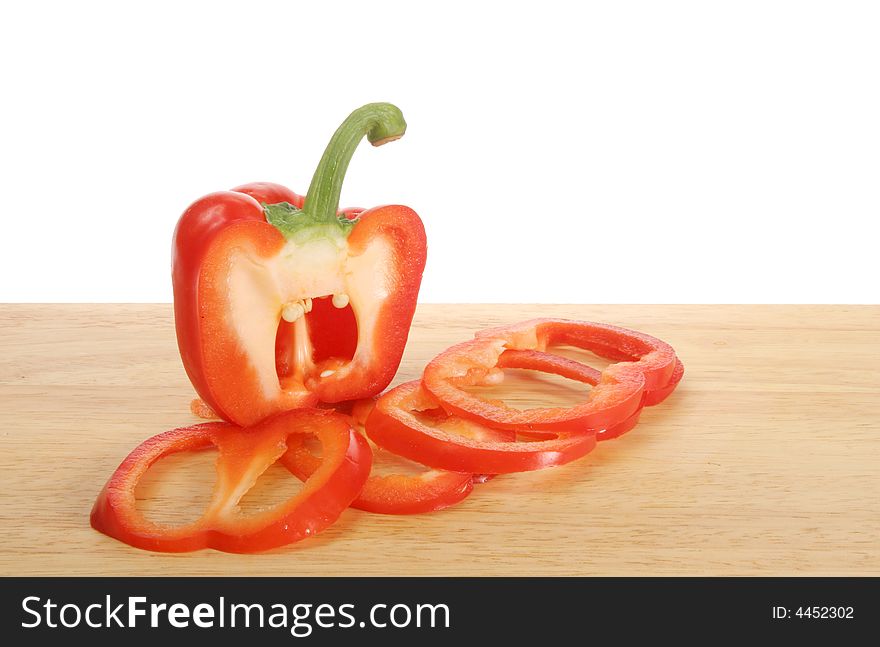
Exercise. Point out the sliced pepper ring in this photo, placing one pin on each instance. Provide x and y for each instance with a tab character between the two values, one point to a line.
536	360
572	369
427	491
399	425
242	458
615	398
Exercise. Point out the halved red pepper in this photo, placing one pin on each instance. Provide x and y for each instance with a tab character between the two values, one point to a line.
408	421
242	458
281	302
426	491
615	398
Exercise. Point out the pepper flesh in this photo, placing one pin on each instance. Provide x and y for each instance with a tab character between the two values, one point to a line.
242	458
659	394
254	281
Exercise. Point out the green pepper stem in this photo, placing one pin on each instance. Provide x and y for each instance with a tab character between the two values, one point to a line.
381	123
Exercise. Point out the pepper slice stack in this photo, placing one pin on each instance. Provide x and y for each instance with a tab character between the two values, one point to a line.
646	370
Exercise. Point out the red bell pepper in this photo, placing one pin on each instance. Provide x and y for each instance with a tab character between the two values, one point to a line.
243	457
396	493
409	422
615	398
281	302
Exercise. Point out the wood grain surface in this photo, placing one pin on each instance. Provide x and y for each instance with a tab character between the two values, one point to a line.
766	460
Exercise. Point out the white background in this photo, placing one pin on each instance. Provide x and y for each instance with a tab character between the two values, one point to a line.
557	151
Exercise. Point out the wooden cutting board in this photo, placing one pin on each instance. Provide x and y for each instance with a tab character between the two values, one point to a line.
766	460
